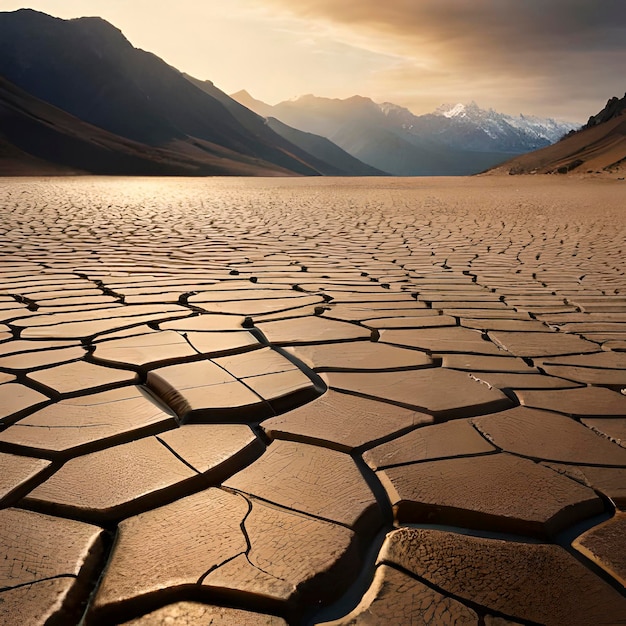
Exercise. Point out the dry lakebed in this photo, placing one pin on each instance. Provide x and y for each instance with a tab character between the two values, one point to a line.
243	401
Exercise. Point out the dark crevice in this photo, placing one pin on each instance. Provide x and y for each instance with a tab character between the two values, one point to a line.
242	527
110	517
453	414
14	418
566	538
31	305
357	588
382	499
249	542
98	570
313	441
217	566
371	370
390	437
318	383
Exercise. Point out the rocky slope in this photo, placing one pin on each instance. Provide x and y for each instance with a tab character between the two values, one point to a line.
598	147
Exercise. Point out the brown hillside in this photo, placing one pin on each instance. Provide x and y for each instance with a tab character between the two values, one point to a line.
596	148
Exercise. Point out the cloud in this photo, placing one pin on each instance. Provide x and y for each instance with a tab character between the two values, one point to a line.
502	26
574	49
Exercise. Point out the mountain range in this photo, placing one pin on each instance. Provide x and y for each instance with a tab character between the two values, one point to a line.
77	97
329	158
454	140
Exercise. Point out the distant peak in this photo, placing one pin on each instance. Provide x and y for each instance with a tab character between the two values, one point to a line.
458	110
388	108
454	110
25	11
310	98
247	99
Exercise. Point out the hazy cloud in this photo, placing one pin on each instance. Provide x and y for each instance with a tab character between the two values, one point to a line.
484	26
553	50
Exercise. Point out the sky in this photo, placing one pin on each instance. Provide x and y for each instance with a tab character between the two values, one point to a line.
552	58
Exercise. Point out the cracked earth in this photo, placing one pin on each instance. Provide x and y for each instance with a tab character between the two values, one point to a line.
296	401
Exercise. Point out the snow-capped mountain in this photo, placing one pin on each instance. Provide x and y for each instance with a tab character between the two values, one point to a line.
496	124
468	127
458	110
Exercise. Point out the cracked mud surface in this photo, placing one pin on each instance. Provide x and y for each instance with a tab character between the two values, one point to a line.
236	401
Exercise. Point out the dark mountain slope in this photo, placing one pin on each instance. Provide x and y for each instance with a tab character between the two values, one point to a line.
16	162
38	138
87	68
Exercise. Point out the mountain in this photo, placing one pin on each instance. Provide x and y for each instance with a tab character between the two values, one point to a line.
614	108
325	156
454	140
245	99
324	149
467	126
599	146
87	68
39	138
